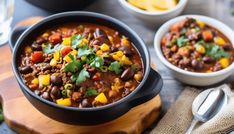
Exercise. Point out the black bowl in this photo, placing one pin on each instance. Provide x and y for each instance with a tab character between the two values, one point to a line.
61	5
147	89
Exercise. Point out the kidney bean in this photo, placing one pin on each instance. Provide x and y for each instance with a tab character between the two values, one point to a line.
217	67
85	103
55	93
25	70
36	47
46	95
46	67
40	40
76	96
208	60
55	80
112	94
126	50
227	47
197	64
33	86
127	74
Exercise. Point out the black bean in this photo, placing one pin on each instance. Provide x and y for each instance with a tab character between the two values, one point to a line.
126	50
56	80
197	64
46	95
55	93
40	40
99	32
36	47
85	103
227	47
46	67
25	70
114	49
208	60
127	74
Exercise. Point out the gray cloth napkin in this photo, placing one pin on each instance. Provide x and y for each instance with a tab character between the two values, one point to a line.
179	116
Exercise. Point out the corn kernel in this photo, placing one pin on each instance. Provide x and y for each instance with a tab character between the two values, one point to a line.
45	35
101	98
67	58
56	55
200	49
125	42
83	58
66	41
201	24
111	39
220	41
120	53
115	57
73	52
138	77
64	102
224	62
53	62
105	47
99	52
125	60
208	71
44	80
83	42
35	81
28	49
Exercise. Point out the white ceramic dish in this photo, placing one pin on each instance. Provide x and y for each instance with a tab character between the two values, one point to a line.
193	78
154	18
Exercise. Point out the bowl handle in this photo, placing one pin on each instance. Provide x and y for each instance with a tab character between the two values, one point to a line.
150	89
15	34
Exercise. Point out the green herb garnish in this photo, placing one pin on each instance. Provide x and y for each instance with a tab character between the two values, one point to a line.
80	77
115	67
91	92
76	40
84	51
98	62
181	41
49	49
73	66
134	67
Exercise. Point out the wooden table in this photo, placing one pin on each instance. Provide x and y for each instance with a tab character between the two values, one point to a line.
172	88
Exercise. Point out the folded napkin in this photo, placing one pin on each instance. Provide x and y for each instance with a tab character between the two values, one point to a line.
179	117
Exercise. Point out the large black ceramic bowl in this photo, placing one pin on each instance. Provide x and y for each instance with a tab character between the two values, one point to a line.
148	88
61	5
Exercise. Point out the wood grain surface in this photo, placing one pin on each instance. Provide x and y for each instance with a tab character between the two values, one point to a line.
22	117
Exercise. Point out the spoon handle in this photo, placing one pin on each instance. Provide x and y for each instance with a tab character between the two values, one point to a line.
193	124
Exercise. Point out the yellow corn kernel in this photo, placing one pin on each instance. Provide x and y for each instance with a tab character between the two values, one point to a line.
105	47
125	42
119	53
115	57
83	58
45	35
53	62
101	98
66	41
28	49
138	77
200	49
201	24
35	81
99	52
224	62
208	71
44	80
83	42
125	60
43	45
56	55
67	58
73	52
111	39
64	102
219	40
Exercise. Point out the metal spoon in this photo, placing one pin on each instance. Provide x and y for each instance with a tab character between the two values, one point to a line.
206	105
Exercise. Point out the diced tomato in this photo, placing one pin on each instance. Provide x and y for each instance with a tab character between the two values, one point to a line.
55	38
37	56
177	26
97	76
65	50
207	35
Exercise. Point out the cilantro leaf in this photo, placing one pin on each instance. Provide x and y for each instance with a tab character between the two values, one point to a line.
116	67
91	92
134	67
73	66
49	49
76	40
181	41
84	51
83	75
98	62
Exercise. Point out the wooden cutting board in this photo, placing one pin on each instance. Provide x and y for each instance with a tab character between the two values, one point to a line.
21	116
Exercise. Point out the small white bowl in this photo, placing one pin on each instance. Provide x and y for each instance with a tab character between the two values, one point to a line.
193	78
154	18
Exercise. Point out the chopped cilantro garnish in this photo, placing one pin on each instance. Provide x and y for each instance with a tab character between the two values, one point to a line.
76	40
91	92
80	77
49	49
181	41
84	51
73	66
115	67
98	62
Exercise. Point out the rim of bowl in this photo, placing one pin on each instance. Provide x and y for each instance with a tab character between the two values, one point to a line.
180	4
82	13
209	21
